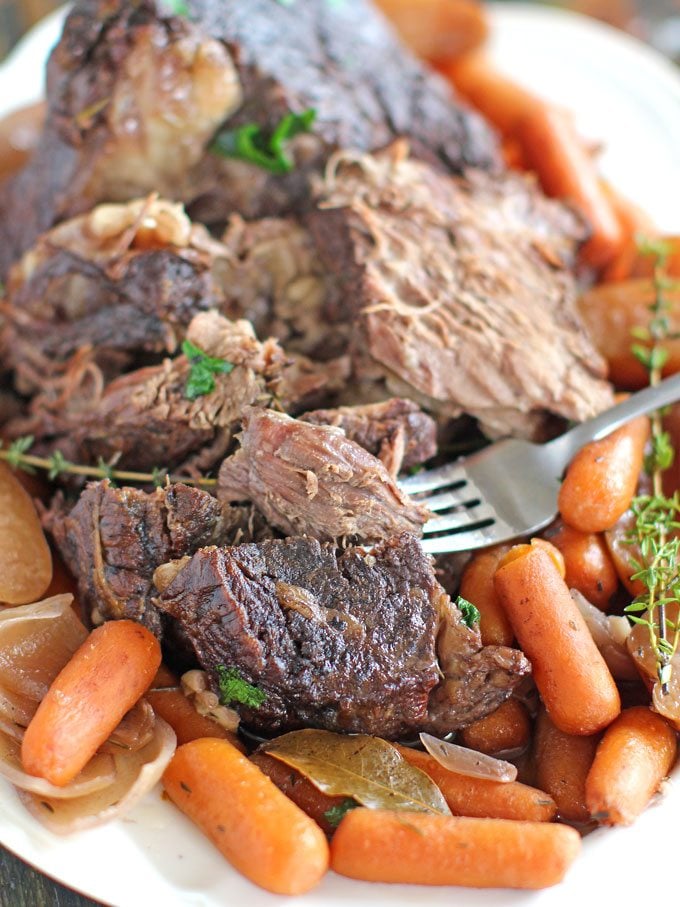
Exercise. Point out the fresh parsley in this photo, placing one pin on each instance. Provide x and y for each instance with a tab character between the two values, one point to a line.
250	142
233	688
337	813
201	380
469	613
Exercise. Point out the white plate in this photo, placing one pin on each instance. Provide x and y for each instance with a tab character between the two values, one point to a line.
625	96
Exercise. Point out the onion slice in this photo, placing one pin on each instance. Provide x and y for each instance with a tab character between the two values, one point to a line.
609	633
98	774
136	774
468	762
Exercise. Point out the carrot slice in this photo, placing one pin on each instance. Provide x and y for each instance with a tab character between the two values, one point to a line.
572	677
105	677
262	833
415	848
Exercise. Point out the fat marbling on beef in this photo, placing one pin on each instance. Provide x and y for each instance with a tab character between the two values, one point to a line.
362	642
313	480
459	291
136	94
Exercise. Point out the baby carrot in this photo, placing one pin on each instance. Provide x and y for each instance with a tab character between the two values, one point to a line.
562	765
588	564
105	677
508	728
415	848
635	755
566	170
174	707
262	833
634	223
572	677
602	478
481	798
477	586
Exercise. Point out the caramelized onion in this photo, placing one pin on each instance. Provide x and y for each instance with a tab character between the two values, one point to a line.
468	762
640	648
136	774
609	634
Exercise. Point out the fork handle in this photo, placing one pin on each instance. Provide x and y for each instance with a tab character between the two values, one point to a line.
567	445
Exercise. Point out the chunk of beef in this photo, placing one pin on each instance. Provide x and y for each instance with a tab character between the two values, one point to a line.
459	291
123	279
135	96
396	431
313	480
346	643
145	418
114	538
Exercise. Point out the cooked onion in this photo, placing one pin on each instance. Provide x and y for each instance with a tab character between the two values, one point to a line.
468	762
136	774
609	634
100	772
134	731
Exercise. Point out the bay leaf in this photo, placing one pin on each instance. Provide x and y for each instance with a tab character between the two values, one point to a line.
369	769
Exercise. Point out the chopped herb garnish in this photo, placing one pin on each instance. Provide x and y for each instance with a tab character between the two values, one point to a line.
469	613
337	813
233	688
201	380
250	143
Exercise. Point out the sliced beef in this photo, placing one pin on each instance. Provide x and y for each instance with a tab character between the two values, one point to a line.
135	96
347	643
313	480
144	419
396	431
125	280
459	291
114	538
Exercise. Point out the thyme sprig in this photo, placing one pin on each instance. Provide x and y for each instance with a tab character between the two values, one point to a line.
657	517
19	457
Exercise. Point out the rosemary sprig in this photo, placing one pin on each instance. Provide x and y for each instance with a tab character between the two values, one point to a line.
656	516
18	457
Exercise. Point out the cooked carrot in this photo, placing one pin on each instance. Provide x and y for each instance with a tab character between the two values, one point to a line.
562	765
477	587
634	223
174	707
508	728
500	100
566	170
644	265
602	478
301	791
612	311
415	848
262	833
481	798
634	756
105	677
438	30
588	564
572	677
513	155
555	554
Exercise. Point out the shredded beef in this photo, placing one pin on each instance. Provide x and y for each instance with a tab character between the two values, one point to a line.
344	642
313	480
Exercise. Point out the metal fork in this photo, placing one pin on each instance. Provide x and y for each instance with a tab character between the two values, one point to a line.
510	488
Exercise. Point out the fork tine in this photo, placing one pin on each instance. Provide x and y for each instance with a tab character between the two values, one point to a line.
459	519
465	495
460	541
451	474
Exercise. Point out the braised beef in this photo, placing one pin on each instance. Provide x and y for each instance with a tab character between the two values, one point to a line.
396	431
123	280
355	642
313	480
136	95
459	291
144	418
114	538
